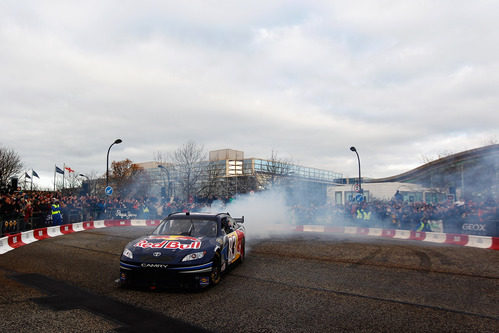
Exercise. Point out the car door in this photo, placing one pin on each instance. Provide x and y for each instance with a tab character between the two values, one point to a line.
231	239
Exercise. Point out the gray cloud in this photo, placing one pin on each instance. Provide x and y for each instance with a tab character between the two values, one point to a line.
398	80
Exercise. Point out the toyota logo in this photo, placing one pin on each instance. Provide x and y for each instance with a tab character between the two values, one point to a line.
156	254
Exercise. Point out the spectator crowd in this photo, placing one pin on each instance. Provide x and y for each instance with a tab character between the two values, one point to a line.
21	211
449	216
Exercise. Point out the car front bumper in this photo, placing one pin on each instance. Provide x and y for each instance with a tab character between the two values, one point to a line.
153	274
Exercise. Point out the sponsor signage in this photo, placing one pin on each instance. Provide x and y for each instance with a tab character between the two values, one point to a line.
475	227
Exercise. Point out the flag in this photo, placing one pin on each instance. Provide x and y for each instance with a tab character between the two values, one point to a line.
26	175
69	169
35	174
58	170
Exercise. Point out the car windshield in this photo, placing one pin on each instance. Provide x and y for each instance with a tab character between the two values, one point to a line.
187	227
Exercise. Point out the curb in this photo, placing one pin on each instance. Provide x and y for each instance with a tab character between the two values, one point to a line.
12	242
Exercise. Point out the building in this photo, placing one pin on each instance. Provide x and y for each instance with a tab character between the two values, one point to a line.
468	175
228	173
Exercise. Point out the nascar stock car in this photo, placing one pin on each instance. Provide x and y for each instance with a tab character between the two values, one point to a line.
186	249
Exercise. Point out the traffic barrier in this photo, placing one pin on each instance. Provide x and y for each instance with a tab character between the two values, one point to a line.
78	226
14	241
28	237
456	239
377	232
435	237
402	234
389	233
484	242
313	228
54	231
66	229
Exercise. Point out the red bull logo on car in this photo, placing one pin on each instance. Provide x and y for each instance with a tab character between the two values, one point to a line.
168	243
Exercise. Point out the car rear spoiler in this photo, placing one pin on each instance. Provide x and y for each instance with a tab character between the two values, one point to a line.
239	219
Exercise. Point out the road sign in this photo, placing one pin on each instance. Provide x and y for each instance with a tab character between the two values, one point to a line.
356	187
109	190
359	197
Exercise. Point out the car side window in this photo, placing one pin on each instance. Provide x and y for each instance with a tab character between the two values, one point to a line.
228	225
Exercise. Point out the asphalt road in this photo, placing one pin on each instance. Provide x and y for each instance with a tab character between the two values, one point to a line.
303	283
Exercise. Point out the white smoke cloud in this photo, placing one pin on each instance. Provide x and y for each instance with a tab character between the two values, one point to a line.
265	213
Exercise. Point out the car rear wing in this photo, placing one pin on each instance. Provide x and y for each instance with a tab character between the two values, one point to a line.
239	219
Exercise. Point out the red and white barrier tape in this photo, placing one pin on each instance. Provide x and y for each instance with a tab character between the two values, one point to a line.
484	242
11	242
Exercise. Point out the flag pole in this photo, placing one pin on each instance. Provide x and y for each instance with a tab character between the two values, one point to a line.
55	166
64	170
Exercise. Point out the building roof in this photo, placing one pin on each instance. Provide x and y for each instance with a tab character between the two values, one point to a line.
424	171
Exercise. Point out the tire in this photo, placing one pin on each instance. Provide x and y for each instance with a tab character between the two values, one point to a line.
216	271
243	253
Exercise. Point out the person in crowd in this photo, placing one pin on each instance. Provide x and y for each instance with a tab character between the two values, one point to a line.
398	197
56	212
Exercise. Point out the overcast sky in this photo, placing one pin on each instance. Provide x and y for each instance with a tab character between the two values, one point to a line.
403	81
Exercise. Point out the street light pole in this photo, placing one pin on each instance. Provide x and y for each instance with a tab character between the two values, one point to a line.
117	141
358	159
162	167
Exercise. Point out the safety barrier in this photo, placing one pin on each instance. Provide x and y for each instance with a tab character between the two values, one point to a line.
14	241
484	242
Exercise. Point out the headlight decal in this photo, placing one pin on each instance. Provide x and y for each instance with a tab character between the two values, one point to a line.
127	253
194	256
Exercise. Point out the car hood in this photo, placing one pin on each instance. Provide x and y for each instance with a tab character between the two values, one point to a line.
170	249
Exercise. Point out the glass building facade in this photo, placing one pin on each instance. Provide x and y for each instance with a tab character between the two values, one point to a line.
222	169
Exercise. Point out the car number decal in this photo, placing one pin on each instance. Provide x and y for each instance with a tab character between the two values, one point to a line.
232	247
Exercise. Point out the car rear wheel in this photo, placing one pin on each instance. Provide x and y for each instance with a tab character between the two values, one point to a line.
216	271
243	253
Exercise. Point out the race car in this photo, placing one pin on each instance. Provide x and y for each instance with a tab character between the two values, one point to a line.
186	249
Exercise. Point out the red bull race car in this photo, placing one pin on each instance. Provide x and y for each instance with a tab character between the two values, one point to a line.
186	249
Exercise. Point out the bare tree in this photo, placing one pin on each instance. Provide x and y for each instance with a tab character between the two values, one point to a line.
213	180
427	159
188	167
275	170
10	166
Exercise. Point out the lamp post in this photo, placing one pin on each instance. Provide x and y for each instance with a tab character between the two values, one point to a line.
117	141
358	159
168	175
84	184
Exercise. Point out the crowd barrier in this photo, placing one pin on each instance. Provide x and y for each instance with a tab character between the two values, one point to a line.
14	241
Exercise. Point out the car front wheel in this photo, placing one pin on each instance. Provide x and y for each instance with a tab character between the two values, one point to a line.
216	271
